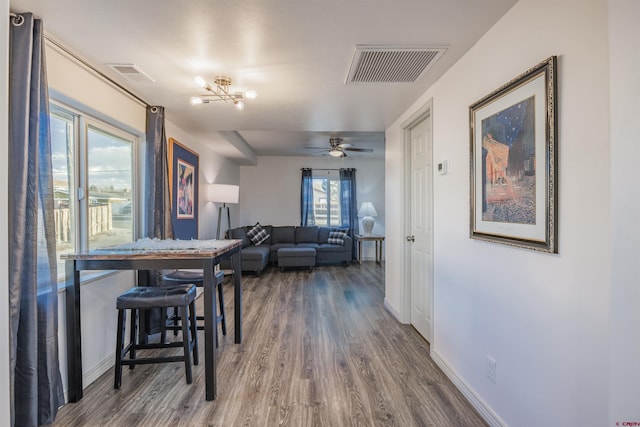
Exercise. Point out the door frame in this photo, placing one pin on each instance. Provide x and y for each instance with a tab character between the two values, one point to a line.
425	112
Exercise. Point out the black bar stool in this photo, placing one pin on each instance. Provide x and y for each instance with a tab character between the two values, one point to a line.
196	277
143	298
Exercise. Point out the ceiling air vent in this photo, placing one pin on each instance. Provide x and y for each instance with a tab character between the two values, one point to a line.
131	72
392	64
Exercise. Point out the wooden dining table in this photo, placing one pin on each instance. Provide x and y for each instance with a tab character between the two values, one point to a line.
142	256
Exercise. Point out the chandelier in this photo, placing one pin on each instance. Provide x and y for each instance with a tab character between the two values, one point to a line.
221	91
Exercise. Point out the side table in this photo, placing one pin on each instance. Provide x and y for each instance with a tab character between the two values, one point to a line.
377	239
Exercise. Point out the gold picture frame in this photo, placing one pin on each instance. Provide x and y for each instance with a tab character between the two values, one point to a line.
513	166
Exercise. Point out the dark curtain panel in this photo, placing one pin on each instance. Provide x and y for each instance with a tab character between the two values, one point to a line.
157	203
36	385
348	203
157	206
307	216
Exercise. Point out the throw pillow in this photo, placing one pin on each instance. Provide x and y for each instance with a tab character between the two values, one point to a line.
337	237
257	234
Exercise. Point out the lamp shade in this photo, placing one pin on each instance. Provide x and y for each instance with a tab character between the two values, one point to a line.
367	209
223	193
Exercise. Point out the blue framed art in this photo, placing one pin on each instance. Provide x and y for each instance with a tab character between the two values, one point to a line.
183	175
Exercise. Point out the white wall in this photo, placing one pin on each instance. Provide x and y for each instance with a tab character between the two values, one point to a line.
543	318
5	397
270	191
624	33
72	82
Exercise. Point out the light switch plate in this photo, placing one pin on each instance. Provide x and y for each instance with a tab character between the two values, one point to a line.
443	167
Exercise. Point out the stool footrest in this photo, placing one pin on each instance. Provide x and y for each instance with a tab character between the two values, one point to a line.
160	345
152	360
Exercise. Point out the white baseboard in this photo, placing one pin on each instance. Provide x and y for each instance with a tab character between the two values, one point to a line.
94	373
480	405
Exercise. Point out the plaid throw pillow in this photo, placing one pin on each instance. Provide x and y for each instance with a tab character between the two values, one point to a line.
257	234
337	237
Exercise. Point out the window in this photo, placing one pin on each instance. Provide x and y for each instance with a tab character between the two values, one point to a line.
94	183
326	201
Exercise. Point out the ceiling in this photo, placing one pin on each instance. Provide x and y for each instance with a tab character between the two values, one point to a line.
295	54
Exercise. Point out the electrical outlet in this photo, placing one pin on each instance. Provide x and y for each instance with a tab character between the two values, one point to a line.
491	369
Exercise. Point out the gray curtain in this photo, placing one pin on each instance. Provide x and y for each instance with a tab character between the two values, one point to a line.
157	207
36	385
157	203
307	216
348	203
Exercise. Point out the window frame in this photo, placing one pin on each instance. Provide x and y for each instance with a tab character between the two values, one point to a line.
79	206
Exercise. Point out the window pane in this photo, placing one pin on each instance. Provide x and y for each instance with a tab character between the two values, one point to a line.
110	180
62	159
320	201
326	201
334	219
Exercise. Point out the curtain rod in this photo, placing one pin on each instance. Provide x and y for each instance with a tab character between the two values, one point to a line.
95	70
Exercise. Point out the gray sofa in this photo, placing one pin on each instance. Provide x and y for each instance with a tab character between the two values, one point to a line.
256	258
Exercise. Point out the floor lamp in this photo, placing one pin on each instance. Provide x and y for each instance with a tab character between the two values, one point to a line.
222	193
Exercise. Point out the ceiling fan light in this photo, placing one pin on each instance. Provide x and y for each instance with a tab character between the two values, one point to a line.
336	153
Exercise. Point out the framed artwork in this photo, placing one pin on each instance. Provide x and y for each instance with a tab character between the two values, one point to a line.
513	162
183	176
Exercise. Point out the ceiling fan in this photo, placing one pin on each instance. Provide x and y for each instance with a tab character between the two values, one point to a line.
338	148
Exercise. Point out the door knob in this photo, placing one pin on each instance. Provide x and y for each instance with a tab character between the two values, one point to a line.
411	238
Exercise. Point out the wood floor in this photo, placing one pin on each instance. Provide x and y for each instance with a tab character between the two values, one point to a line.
319	349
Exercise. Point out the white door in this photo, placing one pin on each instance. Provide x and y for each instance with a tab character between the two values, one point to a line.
420	235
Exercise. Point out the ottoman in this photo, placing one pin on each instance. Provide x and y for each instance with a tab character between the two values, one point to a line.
296	257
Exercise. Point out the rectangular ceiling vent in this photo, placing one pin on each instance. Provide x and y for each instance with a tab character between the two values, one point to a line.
392	64
131	72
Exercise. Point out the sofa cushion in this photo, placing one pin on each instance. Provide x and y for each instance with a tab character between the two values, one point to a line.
323	234
284	234
327	247
257	234
253	253
337	237
239	233
307	245
306	234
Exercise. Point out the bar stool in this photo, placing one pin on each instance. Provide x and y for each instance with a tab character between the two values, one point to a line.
196	277
144	298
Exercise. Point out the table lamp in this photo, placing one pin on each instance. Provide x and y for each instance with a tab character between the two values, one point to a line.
367	212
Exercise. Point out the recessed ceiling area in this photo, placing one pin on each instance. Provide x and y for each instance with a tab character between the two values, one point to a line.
276	143
297	55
